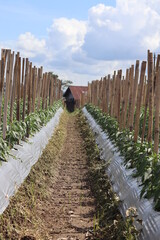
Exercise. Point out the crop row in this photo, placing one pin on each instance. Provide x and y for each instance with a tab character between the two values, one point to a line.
18	130
137	155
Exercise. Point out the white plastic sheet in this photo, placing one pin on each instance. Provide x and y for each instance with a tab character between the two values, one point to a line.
24	156
126	187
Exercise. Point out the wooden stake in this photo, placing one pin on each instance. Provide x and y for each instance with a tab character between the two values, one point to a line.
119	95
113	94
40	81
134	95
6	93
107	94
18	88
157	110
150	85
131	95
22	83
139	101
29	90
34	88
25	88
127	90
2	73
13	88
146	105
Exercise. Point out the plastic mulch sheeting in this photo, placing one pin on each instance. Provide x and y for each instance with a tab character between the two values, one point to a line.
125	186
23	157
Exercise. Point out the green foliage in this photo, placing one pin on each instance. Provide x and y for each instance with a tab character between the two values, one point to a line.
17	130
138	156
65	84
4	149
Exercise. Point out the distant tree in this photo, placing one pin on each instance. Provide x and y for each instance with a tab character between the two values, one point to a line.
66	83
53	74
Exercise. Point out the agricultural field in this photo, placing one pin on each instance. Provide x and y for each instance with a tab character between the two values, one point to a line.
54	190
80	120
67	194
62	170
131	120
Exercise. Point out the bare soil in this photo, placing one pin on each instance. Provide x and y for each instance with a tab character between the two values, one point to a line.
55	201
72	204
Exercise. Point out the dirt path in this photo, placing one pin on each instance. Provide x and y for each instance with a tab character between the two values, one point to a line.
71	209
55	201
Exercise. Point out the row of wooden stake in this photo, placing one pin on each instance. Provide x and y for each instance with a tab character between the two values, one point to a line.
22	82
124	97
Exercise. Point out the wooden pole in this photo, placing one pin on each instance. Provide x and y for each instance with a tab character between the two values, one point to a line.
51	91
119	95
29	89
40	80
122	104
13	89
6	93
22	83
113	94
146	104
134	97
127	90
46	89
55	88
11	76
139	101
104	100
157	111
150	85
25	88
131	94
107	94
34	88
115	114
18	88
2	73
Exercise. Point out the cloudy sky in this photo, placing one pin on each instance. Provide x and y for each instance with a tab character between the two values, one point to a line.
81	40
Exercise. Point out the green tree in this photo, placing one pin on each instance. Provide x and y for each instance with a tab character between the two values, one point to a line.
66	83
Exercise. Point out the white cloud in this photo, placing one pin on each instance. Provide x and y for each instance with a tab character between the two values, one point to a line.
122	32
153	4
30	45
102	16
67	33
151	41
111	38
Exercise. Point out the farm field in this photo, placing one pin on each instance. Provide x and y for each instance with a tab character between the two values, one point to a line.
80	120
60	198
125	109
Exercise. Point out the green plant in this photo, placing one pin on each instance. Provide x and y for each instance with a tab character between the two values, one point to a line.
138	156
18	130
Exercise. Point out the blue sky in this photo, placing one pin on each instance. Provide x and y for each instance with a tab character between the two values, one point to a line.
81	40
20	16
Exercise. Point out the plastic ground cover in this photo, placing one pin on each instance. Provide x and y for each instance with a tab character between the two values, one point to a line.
22	158
125	186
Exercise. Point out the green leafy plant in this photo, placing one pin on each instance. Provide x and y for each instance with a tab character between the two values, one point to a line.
138	156
18	130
